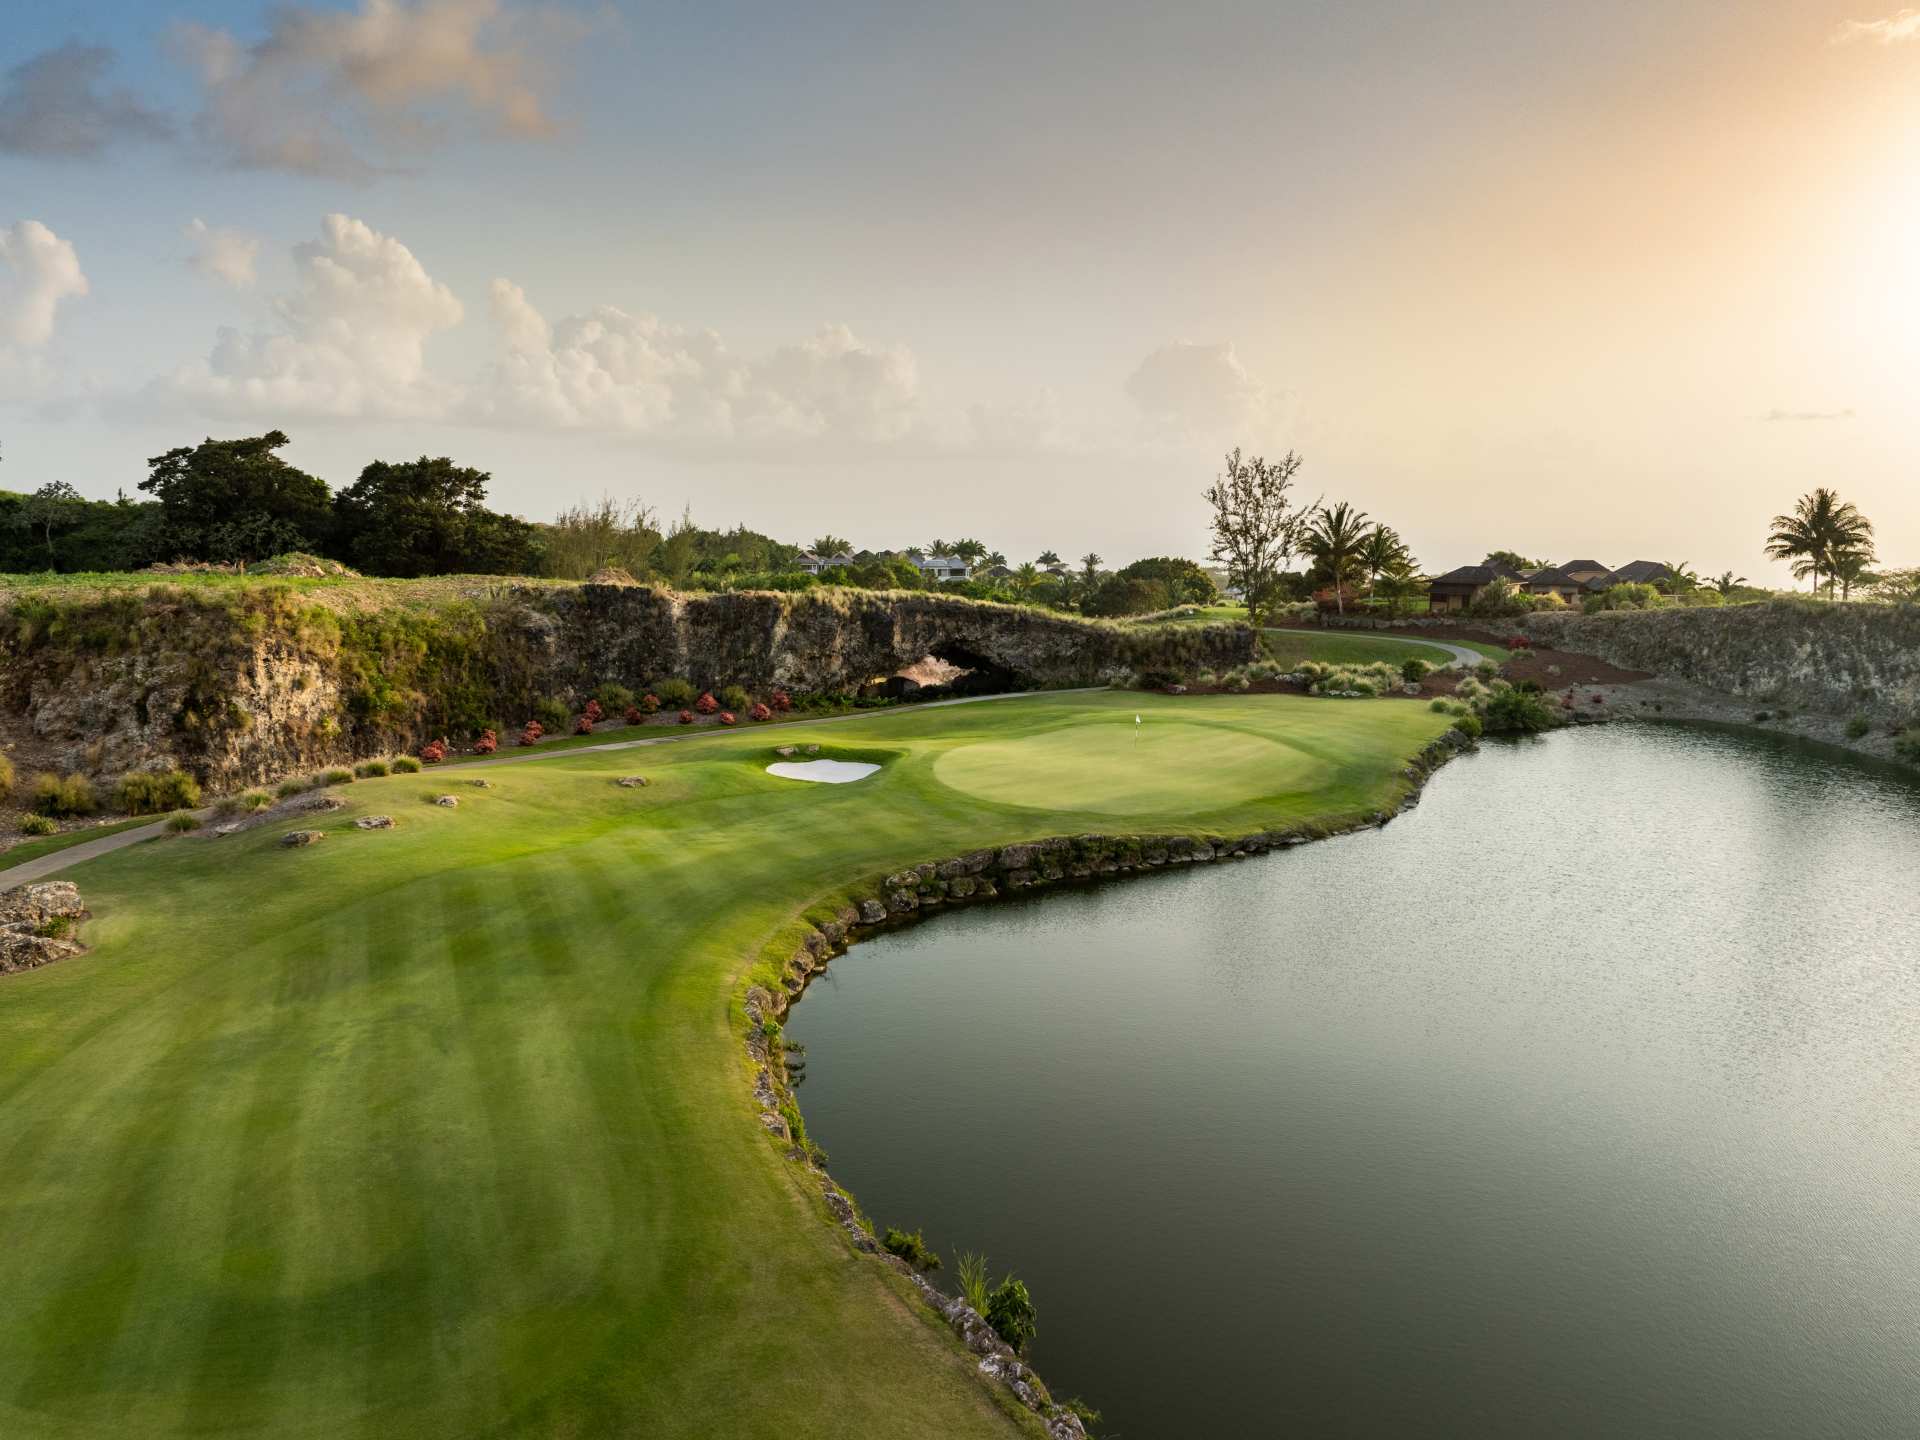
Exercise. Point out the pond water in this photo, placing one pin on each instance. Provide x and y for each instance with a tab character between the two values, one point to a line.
1583	1100
827	772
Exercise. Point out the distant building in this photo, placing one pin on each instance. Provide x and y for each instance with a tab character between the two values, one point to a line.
1456	589
1572	582
814	564
939	566
1641	572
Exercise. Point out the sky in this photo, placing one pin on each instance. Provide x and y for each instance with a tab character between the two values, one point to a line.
1613	282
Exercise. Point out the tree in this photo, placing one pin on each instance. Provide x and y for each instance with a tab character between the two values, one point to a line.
1256	526
1897	587
1728	582
995	557
237	500
1048	558
609	533
427	517
54	506
1513	560
1089	567
829	545
1680	578
1821	534
1849	566
1335	538
971	551
1026	577
1383	552
1178	581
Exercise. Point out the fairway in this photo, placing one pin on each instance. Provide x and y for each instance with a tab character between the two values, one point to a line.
1333	647
1112	766
446	1131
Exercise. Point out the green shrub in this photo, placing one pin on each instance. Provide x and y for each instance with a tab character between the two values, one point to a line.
1859	725
181	821
62	796
1010	1312
256	800
1624	597
6	776
732	697
336	776
370	769
291	787
972	1270
675	694
911	1248
1486	670
31	824
1907	744
614	699
1468	724
148	792
1415	670
1439	705
1517	712
554	714
405	765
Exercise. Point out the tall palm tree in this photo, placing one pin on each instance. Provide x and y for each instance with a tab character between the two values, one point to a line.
1680	578
1048	557
830	544
1822	529
1026	577
1728	582
1090	565
1382	552
1335	541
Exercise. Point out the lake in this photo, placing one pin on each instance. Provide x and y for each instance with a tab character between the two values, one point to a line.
1582	1100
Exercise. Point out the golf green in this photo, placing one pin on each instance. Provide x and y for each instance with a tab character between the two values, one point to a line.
446	1130
1113	766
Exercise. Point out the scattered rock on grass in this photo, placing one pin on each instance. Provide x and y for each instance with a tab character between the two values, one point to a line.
813	749
293	839
481	784
450	801
36	923
632	782
374	822
320	803
785	750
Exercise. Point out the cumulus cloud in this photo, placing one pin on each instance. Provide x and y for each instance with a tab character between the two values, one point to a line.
1903	25
1778	414
53	105
349	340
612	370
37	271
223	255
1202	390
334	93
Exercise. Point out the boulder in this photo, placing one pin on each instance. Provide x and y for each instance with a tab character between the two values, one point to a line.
42	904
451	802
293	839
783	751
872	912
23	948
481	784
374	822
813	749
319	804
632	782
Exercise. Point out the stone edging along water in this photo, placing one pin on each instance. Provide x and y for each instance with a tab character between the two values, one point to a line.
908	895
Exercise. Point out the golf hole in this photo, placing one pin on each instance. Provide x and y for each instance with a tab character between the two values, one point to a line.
826	772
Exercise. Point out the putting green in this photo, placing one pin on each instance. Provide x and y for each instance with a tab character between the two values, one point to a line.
1110	766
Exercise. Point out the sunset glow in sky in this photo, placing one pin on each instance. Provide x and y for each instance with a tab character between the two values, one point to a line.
1615	281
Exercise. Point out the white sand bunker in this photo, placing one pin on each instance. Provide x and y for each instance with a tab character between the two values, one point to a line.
828	772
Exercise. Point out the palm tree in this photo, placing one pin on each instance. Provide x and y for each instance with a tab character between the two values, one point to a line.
994	557
1680	579
970	551
1822	529
829	545
1335	540
1026	577
1382	552
1090	565
1048	557
1848	565
1728	583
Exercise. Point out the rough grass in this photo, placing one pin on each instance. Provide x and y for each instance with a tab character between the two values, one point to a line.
444	1131
47	845
1339	647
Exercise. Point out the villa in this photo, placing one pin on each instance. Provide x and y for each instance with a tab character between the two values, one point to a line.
814	564
1572	582
939	566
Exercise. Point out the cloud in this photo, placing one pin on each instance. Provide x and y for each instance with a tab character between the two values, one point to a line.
223	255
37	271
334	94
52	105
1778	414
612	370
350	339
1903	25
1203	390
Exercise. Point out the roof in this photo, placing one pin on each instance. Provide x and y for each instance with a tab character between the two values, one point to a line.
1582	565
1475	575
1639	572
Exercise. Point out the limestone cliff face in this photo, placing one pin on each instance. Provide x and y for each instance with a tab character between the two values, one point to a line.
1841	659
245	687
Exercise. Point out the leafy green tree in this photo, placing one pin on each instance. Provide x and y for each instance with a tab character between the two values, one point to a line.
1180	582
54	506
238	500
831	544
1011	1314
1256	525
1513	560
427	517
1335	538
1728	582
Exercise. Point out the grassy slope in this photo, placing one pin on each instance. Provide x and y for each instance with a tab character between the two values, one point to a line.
1337	647
34	848
445	1131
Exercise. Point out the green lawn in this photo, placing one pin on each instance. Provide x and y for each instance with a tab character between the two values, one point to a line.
1344	647
445	1131
33	849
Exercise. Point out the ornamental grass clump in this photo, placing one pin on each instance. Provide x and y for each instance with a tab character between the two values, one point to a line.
370	769
405	765
734	698
32	824
62	796
675	694
334	777
181	821
149	792
552	713
288	788
614	699
6	776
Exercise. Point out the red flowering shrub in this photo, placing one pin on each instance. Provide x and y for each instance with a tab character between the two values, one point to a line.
487	743
1519	642
532	733
583	726
726	717
593	712
433	752
706	704
686	717
634	715
760	712
780	700
649	703
1599	699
